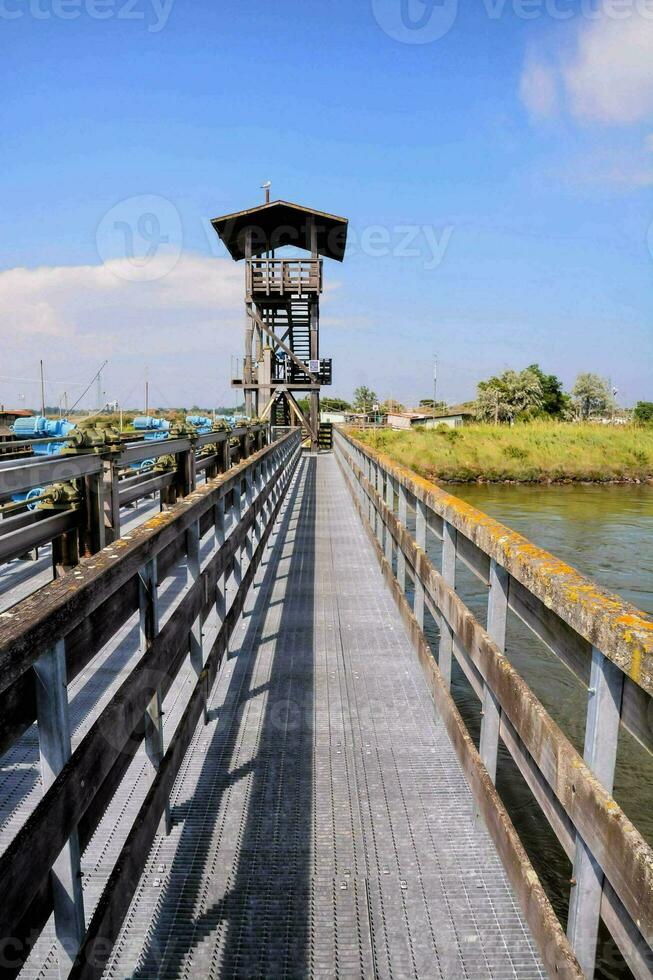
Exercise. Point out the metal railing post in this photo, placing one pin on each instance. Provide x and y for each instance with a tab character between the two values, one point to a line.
149	627
420	539
54	751
445	651
600	753
497	613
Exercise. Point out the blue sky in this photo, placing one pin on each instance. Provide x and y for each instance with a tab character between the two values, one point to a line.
497	179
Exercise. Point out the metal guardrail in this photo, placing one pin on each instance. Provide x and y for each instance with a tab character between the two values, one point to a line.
605	642
45	642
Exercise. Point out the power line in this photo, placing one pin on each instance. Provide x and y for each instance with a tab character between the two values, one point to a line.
89	386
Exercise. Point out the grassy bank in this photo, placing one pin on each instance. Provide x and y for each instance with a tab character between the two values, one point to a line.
527	453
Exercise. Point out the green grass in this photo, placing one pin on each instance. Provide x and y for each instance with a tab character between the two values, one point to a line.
527	453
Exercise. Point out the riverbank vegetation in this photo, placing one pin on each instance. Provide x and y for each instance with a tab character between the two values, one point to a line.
530	452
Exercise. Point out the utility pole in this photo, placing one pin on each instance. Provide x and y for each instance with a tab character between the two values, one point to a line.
42	390
435	381
147	394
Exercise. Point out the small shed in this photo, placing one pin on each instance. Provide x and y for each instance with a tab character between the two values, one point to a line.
335	418
7	418
456	416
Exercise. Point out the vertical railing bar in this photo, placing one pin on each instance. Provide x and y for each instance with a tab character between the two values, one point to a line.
390	503
449	575
600	753
420	540
237	515
378	486
149	627
221	582
196	635
55	750
497	615
402	515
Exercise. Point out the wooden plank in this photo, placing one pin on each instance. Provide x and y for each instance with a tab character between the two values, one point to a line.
573	650
497	613
600	753
420	541
54	752
472	556
445	649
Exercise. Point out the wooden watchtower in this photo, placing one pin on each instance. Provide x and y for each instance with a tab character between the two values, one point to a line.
282	300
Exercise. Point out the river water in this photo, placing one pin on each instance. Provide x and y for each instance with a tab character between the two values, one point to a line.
606	532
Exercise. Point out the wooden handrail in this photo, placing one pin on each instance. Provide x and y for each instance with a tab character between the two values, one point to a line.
573	792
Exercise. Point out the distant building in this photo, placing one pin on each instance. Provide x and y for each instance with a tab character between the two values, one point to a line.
7	418
455	416
336	418
405	420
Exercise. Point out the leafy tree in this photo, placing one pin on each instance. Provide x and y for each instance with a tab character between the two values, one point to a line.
554	401
364	399
508	396
304	405
428	403
592	396
335	405
643	413
390	405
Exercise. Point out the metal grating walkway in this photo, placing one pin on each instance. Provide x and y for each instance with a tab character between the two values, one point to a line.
322	826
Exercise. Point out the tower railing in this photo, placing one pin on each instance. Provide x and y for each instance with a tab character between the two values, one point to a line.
284	277
606	643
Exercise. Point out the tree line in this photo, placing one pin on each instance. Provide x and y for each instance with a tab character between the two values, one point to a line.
514	396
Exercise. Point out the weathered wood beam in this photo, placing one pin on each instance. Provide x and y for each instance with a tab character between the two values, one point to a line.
622	632
554	947
35	847
117	895
54	611
616	844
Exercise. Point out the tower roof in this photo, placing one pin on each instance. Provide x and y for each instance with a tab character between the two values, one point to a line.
282	223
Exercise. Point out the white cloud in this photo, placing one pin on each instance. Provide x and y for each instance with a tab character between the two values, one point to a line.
184	326
606	78
538	88
610	79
